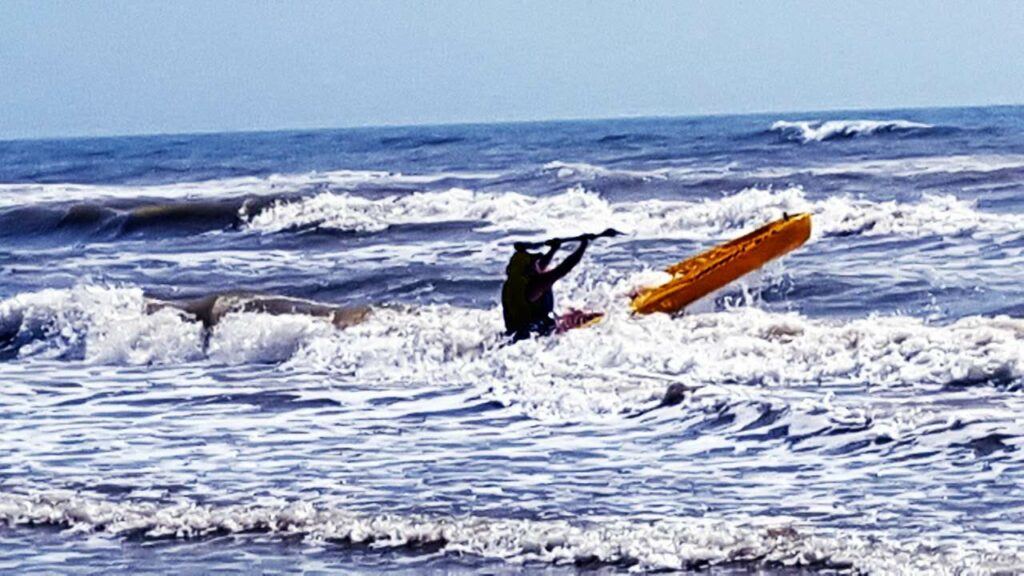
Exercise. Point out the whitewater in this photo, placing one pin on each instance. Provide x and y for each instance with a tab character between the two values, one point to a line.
852	408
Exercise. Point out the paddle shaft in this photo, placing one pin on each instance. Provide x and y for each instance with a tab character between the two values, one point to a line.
531	245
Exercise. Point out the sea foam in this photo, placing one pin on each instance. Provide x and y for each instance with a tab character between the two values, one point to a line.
665	544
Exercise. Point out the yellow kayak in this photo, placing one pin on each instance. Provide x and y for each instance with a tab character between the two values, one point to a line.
704	273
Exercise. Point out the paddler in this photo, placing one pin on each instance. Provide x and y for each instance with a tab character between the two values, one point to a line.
526	297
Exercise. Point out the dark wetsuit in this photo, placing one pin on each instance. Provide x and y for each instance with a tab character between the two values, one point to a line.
527	301
523	316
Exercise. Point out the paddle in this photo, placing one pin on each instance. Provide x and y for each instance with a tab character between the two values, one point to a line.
609	233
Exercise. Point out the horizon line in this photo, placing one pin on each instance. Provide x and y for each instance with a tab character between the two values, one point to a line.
489	123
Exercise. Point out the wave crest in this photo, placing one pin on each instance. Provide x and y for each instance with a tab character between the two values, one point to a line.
578	210
817	131
667	544
103	325
13	195
96	324
584	171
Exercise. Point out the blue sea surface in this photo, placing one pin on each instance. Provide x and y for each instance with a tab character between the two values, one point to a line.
854	407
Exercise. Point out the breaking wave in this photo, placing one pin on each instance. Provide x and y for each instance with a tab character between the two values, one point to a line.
665	544
103	325
818	131
575	210
631	361
335	201
578	210
630	365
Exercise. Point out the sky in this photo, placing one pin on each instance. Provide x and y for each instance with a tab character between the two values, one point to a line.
108	67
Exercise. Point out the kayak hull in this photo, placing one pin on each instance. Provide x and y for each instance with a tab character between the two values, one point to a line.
708	271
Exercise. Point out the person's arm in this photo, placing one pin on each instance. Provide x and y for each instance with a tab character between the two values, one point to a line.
543	281
545	260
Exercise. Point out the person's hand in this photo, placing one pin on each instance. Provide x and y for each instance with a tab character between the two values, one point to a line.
554	243
588	237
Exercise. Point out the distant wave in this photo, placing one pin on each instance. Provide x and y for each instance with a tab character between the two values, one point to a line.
909	167
414	142
585	171
665	544
107	221
265	206
817	131
630	138
905	167
12	195
579	210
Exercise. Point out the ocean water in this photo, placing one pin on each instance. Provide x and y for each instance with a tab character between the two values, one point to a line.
855	407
